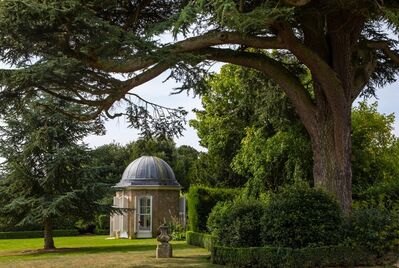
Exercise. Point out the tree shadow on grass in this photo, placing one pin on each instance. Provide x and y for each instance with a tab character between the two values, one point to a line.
182	261
97	249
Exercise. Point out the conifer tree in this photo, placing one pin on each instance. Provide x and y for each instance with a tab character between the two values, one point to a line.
47	175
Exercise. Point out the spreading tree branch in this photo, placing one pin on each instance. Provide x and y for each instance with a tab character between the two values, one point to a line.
128	85
323	74
188	45
276	71
385	47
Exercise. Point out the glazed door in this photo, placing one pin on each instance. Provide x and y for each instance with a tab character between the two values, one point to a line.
144	217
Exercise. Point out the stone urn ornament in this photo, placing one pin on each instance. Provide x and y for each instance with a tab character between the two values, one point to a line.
164	249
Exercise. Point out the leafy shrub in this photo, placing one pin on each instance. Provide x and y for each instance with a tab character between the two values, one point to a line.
36	234
200	240
374	228
237	223
201	200
299	216
382	194
176	229
280	257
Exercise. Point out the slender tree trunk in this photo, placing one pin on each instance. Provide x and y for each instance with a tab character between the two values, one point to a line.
331	144
48	234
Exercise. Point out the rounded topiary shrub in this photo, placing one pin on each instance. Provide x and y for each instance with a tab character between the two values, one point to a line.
300	216
237	224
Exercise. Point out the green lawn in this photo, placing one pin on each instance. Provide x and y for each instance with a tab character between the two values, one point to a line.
97	251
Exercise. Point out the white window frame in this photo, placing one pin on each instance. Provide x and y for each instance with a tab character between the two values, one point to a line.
143	233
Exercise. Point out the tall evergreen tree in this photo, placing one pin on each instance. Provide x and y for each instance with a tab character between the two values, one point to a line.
47	168
70	49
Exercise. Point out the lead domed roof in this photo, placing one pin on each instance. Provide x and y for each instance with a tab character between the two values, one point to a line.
148	171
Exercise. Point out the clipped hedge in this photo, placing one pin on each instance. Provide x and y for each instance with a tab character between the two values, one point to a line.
240	219
200	240
201	200
326	256
299	216
36	234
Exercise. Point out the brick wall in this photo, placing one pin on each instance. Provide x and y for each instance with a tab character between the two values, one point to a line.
165	204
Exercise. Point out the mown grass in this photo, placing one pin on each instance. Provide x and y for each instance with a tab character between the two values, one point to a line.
97	251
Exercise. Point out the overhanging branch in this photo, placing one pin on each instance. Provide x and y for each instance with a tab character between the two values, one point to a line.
119	93
276	71
206	40
384	46
321	71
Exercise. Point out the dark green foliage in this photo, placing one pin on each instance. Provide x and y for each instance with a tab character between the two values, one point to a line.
201	200
208	170
377	229
101	231
252	133
299	216
274	160
275	257
385	194
237	223
109	161
48	176
164	148
200	240
186	157
36	234
280	257
242	110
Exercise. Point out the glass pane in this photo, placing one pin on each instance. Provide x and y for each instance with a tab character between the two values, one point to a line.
147	221
144	213
141	221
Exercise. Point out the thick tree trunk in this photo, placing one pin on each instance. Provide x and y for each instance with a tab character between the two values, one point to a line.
331	144
48	234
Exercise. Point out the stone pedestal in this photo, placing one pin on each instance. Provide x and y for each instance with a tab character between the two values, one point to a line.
164	250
